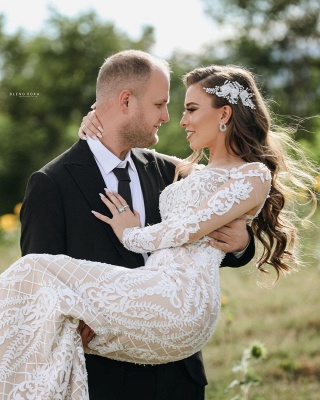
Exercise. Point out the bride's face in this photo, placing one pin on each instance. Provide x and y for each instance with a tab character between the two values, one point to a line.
201	120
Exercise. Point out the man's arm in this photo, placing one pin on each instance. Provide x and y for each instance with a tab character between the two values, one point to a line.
247	250
236	239
42	217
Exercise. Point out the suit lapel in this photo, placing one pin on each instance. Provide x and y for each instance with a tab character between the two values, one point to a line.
87	176
148	176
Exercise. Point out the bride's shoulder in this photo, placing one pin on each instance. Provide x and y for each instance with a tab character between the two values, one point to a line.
254	169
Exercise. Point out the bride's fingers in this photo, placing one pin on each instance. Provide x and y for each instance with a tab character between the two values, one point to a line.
114	202
111	203
102	217
81	135
116	199
90	126
122	201
93	122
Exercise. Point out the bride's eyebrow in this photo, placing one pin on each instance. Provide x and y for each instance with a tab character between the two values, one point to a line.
192	103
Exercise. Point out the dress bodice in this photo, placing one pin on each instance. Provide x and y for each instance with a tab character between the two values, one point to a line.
227	193
188	193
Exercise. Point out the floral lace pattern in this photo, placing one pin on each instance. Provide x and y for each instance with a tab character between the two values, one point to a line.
197	198
162	312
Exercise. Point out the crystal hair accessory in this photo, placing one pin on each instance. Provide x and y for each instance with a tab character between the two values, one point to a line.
232	91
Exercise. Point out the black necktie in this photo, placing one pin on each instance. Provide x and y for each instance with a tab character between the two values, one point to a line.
123	177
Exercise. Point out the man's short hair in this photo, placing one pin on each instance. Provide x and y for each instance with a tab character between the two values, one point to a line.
129	69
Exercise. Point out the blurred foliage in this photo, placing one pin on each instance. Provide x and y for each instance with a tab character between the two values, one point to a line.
60	67
278	41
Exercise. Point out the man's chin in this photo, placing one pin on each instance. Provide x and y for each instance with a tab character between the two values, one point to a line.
156	140
142	145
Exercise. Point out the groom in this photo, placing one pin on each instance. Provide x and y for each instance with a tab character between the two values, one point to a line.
132	96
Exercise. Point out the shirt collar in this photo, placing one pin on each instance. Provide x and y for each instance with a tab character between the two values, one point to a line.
106	159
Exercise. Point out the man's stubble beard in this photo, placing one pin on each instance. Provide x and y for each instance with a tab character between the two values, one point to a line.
136	133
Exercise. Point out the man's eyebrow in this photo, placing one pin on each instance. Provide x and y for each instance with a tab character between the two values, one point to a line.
164	100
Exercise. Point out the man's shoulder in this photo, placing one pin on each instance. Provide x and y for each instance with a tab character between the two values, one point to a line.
155	164
151	156
64	158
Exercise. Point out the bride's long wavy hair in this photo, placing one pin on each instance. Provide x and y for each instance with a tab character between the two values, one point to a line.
249	135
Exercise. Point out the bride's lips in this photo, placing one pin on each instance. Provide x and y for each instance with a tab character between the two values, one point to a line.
189	134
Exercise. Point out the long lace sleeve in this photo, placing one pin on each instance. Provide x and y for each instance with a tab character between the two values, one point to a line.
244	192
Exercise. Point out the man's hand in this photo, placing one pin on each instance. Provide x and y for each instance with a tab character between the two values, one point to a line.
86	333
231	238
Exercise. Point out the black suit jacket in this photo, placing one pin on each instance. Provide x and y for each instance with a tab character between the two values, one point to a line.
56	214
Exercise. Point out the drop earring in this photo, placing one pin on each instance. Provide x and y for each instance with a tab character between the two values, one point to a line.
222	127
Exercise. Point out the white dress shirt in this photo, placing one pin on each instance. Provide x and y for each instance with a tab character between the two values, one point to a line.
106	162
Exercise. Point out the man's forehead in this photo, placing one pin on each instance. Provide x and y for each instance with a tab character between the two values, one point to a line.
158	87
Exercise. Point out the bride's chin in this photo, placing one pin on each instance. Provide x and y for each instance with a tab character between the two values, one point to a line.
193	147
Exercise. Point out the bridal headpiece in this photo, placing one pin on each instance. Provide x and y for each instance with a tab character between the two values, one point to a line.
232	91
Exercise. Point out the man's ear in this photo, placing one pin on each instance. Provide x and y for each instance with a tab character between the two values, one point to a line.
124	100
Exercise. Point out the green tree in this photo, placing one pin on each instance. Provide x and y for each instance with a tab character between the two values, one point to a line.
279	40
60	66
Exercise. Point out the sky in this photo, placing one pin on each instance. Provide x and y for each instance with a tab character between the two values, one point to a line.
179	24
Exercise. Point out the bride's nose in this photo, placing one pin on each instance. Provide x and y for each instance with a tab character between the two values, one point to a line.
183	121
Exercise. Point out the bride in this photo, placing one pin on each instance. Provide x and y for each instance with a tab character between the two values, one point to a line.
168	309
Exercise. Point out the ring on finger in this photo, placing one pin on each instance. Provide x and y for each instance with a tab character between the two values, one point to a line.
123	208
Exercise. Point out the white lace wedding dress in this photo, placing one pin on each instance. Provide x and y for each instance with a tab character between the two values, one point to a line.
162	312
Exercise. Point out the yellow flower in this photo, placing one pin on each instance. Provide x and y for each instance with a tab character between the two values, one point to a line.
317	186
224	300
8	222
17	208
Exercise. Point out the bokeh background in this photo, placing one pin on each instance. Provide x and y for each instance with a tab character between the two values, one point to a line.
50	54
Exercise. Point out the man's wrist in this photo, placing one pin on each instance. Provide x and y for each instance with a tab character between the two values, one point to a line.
239	254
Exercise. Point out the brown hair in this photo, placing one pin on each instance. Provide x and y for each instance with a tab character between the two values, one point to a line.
249	136
128	69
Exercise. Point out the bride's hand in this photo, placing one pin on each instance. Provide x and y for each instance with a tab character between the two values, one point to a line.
90	126
122	216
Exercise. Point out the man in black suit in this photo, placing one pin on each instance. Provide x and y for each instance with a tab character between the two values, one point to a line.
132	97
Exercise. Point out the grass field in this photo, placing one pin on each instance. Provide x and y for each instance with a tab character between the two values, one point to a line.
284	317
